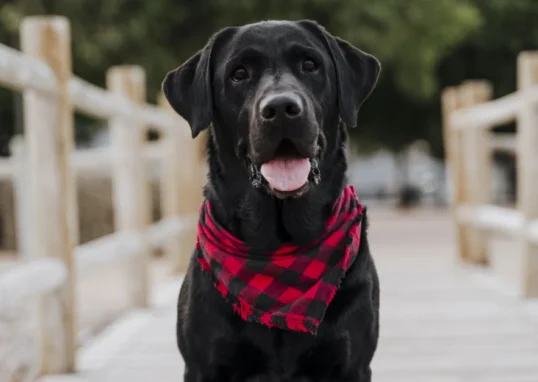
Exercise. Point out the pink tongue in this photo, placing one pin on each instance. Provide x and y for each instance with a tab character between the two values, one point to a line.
286	174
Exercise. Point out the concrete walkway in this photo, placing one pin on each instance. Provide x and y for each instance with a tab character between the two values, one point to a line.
440	322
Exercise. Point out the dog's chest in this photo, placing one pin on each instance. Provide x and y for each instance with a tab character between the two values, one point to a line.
289	356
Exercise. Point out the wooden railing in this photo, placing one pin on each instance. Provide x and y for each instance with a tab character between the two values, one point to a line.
469	115
43	166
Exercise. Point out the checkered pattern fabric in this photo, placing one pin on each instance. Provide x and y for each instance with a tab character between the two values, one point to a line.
291	287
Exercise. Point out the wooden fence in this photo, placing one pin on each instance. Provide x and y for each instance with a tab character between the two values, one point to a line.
469	115
43	168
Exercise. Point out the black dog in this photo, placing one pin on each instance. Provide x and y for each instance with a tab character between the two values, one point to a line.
279	96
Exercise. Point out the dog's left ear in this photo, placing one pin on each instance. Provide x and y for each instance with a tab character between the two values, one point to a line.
357	73
189	88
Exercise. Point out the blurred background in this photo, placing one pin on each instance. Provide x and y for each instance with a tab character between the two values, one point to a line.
423	47
397	152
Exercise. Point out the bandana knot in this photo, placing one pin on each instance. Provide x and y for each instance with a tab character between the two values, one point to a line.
292	287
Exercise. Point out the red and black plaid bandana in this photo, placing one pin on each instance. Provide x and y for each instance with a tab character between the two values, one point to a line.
291	287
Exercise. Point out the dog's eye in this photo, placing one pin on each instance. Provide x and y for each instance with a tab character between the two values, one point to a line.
309	65
239	74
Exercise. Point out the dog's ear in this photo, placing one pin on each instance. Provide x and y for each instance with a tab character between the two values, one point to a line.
189	88
357	73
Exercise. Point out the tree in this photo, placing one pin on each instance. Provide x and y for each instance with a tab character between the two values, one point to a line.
409	38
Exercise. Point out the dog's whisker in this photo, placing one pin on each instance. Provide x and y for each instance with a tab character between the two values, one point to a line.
315	173
255	176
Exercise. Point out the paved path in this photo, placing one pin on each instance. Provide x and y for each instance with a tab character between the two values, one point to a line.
440	322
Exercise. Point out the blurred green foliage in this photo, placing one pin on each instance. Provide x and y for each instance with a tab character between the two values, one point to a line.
423	46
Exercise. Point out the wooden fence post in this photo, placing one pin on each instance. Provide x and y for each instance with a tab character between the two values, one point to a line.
477	167
48	123
170	187
451	101
130	179
468	159
182	180
22	197
527	169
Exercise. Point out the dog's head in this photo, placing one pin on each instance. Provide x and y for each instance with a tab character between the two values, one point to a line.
275	92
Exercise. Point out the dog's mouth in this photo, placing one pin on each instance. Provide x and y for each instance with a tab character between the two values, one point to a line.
287	174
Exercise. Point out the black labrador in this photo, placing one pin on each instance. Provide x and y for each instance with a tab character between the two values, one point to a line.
279	96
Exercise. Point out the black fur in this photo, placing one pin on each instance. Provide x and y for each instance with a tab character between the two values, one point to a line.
214	342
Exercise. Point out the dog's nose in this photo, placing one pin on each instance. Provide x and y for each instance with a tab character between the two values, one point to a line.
281	106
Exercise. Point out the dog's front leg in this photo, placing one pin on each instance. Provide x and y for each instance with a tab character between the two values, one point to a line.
197	376
194	375
263	378
190	376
